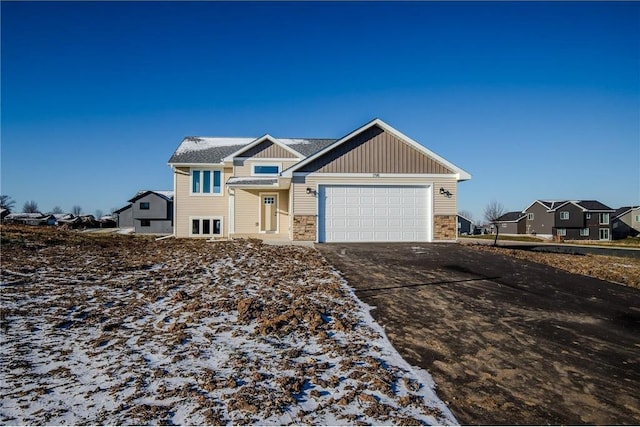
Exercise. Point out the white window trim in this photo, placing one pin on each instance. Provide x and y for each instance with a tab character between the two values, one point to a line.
253	165
600	219
637	218
584	232
198	217
530	216
564	215
201	194
561	232
608	234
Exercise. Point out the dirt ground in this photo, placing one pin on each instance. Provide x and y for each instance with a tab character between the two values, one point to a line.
123	330
507	340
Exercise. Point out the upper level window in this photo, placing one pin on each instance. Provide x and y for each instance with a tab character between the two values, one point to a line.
144	205
564	215
530	216
637	218
604	218
265	169
206	181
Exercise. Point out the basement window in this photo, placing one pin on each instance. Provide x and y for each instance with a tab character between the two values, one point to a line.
205	227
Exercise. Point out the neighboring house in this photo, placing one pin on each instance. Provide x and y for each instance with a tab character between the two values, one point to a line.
582	220
512	223
36	218
626	222
465	226
148	212
540	217
374	184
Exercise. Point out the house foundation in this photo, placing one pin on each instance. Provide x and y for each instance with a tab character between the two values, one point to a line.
304	227
444	227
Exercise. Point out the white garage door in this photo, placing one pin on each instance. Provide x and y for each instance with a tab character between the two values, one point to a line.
373	213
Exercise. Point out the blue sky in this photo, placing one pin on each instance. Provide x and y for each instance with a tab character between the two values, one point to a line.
534	99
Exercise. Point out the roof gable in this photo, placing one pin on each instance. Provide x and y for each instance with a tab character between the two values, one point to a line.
266	147
584	205
166	195
349	155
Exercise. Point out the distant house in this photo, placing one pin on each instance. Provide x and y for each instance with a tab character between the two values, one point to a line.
148	212
35	218
465	225
626	222
540	217
582	220
512	223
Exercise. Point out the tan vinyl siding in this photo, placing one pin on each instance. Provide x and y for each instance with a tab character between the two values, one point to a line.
243	167
267	150
247	211
188	206
443	205
305	204
376	151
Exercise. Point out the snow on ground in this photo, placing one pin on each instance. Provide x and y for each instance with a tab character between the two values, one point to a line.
123	330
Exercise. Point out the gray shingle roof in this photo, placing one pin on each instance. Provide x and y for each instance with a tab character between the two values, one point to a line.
194	149
593	205
511	216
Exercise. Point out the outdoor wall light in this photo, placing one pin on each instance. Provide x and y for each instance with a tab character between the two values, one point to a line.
311	191
445	193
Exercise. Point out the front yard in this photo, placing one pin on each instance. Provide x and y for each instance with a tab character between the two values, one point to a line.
128	330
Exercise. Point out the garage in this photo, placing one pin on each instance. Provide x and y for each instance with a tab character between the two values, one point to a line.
374	213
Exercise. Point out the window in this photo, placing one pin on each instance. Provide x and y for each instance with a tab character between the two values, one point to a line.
266	169
562	232
564	215
637	218
588	215
504	225
145	223
144	206
206	181
584	232
530	216
206	226
604	233
604	219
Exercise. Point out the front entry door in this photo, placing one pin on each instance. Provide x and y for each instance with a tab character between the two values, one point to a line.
268	213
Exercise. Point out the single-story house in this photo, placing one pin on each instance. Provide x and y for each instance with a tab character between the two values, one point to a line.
511	223
465	226
374	184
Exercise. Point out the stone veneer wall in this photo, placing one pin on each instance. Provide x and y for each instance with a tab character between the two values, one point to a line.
444	227
304	227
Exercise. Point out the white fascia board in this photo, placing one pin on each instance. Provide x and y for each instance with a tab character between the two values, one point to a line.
567	202
461	175
260	140
196	165
377	175
534	202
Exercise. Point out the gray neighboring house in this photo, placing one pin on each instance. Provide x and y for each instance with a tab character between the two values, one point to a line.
626	222
149	212
540	218
582	220
512	223
465	226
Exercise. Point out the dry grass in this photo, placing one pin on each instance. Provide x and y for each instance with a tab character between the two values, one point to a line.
623	270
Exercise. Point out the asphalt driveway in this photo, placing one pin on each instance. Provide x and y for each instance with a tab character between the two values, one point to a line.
506	341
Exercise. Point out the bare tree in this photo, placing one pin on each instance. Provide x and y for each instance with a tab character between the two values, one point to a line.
56	210
99	213
7	202
76	210
30	207
492	212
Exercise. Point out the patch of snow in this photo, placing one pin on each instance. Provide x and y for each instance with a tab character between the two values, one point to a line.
204	143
